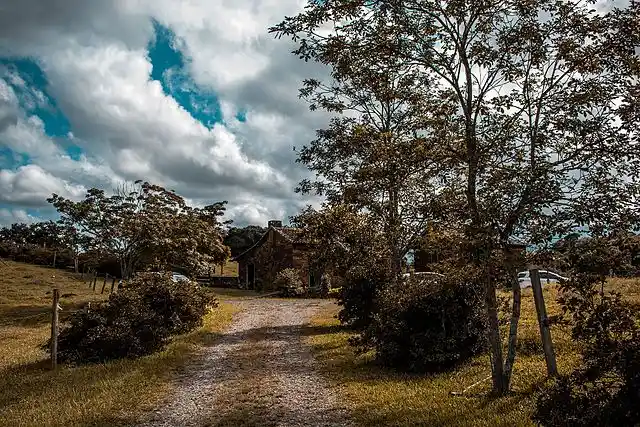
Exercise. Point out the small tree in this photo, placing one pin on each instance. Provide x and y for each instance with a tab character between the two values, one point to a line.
147	223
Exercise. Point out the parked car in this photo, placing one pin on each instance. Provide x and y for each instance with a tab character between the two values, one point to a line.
546	277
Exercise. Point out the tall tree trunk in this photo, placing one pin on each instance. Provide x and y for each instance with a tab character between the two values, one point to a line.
513	332
495	341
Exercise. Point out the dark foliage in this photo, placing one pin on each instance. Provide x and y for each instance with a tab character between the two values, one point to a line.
427	325
34	254
241	239
605	389
358	295
136	321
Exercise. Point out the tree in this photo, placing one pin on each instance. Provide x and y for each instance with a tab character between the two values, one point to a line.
535	113
147	223
240	239
373	155
349	245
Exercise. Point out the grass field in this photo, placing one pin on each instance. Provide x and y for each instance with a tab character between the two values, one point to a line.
97	395
229	269
382	397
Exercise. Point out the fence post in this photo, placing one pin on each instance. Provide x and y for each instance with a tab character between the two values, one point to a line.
543	322
95	279
54	329
55	253
113	284
104	283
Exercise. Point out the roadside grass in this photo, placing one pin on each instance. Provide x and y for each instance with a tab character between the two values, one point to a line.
111	394
380	396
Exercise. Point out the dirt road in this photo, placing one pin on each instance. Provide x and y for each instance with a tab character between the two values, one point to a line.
259	373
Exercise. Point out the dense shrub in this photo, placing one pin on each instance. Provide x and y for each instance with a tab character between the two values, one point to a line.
426	324
137	320
288	283
605	389
358	295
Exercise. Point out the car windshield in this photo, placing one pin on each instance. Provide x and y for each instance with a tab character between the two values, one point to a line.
523	274
179	277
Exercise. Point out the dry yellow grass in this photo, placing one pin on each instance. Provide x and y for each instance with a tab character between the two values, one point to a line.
98	395
382	397
229	269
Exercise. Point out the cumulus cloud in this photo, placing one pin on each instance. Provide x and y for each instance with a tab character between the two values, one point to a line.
11	216
30	185
94	55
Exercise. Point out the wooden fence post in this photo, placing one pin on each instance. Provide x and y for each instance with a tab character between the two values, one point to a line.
55	253
95	279
54	329
113	284
543	322
104	283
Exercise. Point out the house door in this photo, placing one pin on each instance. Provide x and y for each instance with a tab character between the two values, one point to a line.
251	276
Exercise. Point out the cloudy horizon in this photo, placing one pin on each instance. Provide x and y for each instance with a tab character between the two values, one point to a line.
194	96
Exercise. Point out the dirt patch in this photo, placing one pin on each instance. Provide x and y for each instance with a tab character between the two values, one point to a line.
260	373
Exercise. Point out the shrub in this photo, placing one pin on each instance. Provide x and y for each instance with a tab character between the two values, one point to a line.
605	389
426	325
358	295
288	283
137	320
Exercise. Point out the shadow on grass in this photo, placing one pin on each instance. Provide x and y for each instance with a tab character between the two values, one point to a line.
35	315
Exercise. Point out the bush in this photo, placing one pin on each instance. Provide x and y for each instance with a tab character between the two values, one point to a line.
136	321
288	283
426	325
358	295
605	389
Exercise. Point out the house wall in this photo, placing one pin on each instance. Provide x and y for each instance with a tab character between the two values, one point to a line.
274	255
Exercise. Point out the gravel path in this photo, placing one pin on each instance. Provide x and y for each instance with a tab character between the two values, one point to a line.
259	373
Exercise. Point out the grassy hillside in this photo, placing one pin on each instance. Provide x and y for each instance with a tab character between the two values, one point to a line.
229	269
98	395
382	397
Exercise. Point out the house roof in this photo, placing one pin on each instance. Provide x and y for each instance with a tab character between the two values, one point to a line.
291	234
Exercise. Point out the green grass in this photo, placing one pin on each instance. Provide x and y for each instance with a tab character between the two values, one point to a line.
114	393
380	396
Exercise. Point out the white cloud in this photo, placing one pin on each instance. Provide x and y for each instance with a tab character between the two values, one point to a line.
94	56
11	216
30	185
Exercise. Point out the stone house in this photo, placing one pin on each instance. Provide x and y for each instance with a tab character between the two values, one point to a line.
279	248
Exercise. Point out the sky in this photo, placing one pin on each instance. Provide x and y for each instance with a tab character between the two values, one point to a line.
193	95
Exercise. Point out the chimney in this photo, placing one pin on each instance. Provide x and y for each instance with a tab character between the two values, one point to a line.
274	223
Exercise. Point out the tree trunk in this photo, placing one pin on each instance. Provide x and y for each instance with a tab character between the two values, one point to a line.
495	342
513	333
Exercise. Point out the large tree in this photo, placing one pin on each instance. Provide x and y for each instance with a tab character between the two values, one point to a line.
147	223
534	109
373	155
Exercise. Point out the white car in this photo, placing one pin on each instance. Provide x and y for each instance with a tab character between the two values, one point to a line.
546	277
177	277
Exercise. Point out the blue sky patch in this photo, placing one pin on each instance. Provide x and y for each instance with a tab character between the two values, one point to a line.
29	82
170	68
